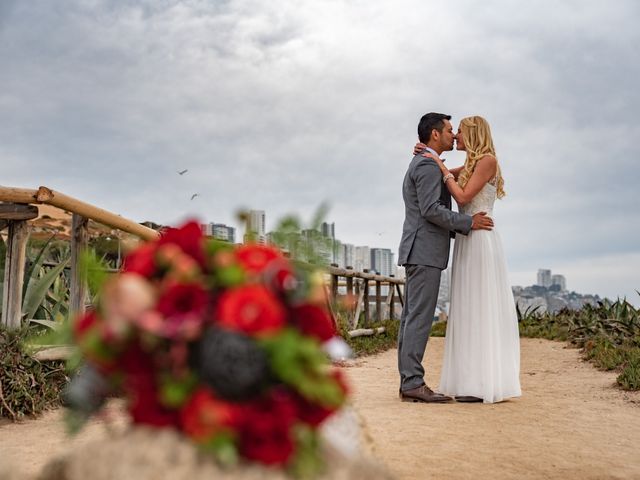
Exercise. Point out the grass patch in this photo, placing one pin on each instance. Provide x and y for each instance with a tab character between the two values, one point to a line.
369	345
381	342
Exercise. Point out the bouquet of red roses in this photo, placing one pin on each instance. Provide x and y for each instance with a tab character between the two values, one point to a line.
221	342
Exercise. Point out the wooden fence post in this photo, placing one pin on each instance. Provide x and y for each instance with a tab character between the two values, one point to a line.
14	274
349	286
16	216
349	293
78	287
334	286
378	301
359	303
365	301
391	301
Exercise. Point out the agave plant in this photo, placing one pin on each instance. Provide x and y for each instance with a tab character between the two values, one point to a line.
45	293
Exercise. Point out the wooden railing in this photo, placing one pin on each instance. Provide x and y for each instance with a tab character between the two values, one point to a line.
358	286
21	206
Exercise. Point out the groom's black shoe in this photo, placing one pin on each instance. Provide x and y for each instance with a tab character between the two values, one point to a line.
468	399
424	394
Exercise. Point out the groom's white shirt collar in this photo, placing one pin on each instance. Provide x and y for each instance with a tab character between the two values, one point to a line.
431	150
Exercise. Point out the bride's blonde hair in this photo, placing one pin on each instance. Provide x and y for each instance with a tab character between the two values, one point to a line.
478	143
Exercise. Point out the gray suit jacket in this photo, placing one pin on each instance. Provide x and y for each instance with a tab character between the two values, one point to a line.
429	221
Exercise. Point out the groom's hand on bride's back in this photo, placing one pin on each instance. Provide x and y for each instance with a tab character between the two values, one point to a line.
481	222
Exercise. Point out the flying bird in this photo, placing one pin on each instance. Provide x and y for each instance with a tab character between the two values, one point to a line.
182	172
194	195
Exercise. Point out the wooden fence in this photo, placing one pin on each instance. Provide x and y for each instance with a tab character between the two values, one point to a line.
358	287
20	206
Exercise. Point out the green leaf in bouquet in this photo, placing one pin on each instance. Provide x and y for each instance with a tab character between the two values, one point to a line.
213	246
224	449
319	215
93	270
74	420
92	342
230	276
305	242
299	362
174	392
74	361
307	461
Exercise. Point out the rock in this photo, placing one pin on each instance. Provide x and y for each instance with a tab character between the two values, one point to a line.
149	454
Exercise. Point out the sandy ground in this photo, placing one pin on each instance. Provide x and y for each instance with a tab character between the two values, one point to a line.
571	422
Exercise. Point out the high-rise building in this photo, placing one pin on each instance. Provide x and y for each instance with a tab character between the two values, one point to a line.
328	229
257	226
207	229
223	232
559	280
362	259
382	261
544	278
348	255
219	231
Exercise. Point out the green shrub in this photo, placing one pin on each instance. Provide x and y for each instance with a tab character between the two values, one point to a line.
27	386
604	353
608	333
439	329
629	379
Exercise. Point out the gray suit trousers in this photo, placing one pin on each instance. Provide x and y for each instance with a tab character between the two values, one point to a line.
421	295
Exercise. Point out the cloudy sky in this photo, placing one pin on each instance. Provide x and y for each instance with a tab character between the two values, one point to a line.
283	105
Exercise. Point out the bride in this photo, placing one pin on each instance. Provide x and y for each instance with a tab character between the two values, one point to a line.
482	345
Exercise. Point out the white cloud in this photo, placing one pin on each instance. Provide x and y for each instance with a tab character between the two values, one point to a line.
282	105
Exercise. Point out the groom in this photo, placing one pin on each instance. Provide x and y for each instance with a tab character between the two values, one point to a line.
424	252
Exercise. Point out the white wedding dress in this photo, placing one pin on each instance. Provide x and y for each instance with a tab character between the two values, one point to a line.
482	344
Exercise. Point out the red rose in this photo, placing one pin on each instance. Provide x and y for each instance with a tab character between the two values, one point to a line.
311	413
145	408
189	238
280	277
183	307
252	309
141	260
140	387
96	340
265	433
204	415
254	258
314	321
83	323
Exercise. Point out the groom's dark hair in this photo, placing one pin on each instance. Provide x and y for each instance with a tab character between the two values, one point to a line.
429	122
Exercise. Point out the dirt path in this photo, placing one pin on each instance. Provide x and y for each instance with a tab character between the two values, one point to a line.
570	423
